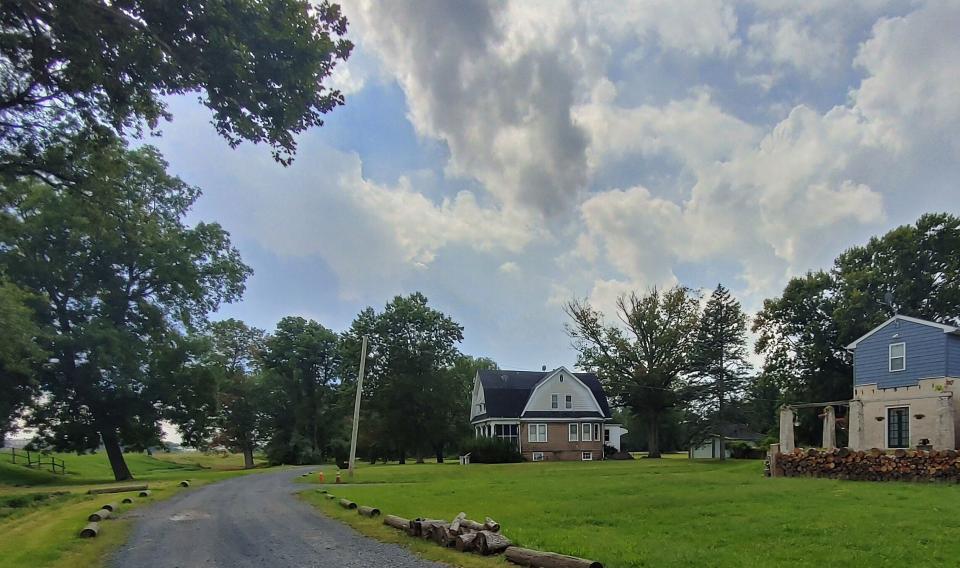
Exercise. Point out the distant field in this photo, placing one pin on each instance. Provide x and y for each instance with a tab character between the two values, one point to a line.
41	513
672	512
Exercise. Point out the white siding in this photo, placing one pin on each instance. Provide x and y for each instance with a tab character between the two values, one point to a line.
477	400
583	399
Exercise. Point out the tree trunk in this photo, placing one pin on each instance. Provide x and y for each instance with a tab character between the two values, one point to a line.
439	451
653	436
403	457
111	443
248	456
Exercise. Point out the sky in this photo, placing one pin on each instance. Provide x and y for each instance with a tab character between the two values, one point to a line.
505	157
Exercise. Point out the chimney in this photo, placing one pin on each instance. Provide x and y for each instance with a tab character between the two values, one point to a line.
543	368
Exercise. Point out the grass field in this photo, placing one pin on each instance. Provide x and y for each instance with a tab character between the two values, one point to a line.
671	512
41	513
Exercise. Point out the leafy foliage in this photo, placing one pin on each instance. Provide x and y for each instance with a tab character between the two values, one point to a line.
19	354
490	450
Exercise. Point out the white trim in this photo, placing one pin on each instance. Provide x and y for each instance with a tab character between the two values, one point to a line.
944	327
596	432
586	456
549	376
890	357
586	431
573	434
537	456
533	433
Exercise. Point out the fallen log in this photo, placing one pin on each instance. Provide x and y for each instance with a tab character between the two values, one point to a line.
537	559
347	504
455	525
469	525
466	542
491	525
99	516
117	489
397	522
90	531
368	511
184	483
145	493
489	542
110	507
127	500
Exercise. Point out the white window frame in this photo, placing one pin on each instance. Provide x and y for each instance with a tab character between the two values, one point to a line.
568	402
573	432
533	433
554	401
596	431
538	456
903	357
586	456
586	431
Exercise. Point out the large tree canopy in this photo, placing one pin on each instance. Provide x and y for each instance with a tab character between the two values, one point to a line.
121	276
803	333
258	66
19	354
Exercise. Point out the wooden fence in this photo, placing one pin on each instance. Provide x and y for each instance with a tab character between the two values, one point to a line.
37	460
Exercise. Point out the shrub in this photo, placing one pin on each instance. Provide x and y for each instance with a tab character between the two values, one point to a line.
490	450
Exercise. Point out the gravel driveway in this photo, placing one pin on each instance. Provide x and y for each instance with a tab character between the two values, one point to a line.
253	520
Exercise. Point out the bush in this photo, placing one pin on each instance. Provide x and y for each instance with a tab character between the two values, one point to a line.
490	450
744	451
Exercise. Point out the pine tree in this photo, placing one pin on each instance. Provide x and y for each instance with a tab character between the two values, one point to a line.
720	355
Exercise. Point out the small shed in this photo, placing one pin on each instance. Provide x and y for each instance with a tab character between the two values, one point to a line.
710	448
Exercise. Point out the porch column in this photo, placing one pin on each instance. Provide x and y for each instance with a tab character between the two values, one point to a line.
786	429
946	429
855	420
829	428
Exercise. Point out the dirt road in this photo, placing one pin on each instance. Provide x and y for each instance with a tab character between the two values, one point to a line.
254	520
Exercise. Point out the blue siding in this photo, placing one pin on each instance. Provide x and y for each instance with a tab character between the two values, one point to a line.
953	356
926	355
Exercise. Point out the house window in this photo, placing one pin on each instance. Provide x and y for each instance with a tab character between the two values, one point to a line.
596	432
569	401
508	432
574	432
898	427
586	456
585	432
554	401
898	357
538	456
537	433
606	435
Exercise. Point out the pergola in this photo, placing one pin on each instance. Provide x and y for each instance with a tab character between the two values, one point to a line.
787	443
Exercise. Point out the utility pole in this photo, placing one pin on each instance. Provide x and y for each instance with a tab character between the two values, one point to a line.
356	408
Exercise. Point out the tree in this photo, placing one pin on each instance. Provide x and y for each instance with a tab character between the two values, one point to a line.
259	66
455	421
720	355
121	276
301	364
235	353
642	363
408	389
19	354
802	334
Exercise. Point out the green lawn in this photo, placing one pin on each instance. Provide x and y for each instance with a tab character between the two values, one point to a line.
674	512
42	513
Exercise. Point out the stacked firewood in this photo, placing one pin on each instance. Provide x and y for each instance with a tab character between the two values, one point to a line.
482	538
871	465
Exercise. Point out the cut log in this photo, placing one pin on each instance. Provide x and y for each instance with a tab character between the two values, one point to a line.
117	489
537	559
466	542
331	496
90	531
368	511
127	500
466	525
455	525
491	525
110	507
145	493
347	504
440	534
184	483
397	522
99	516
489	542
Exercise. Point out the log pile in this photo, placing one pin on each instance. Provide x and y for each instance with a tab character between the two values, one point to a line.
872	465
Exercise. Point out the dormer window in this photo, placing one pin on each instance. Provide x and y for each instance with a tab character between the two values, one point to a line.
554	401
569	402
898	357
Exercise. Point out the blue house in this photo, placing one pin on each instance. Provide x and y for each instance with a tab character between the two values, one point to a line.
905	372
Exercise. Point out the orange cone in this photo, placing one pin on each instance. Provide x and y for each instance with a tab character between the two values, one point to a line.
338	478
320	477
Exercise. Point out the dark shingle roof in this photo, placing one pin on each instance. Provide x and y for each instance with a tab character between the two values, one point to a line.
506	392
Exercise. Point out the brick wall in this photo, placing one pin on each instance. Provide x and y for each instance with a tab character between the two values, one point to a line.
558	445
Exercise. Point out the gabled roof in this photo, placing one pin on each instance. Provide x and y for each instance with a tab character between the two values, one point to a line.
945	328
506	392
